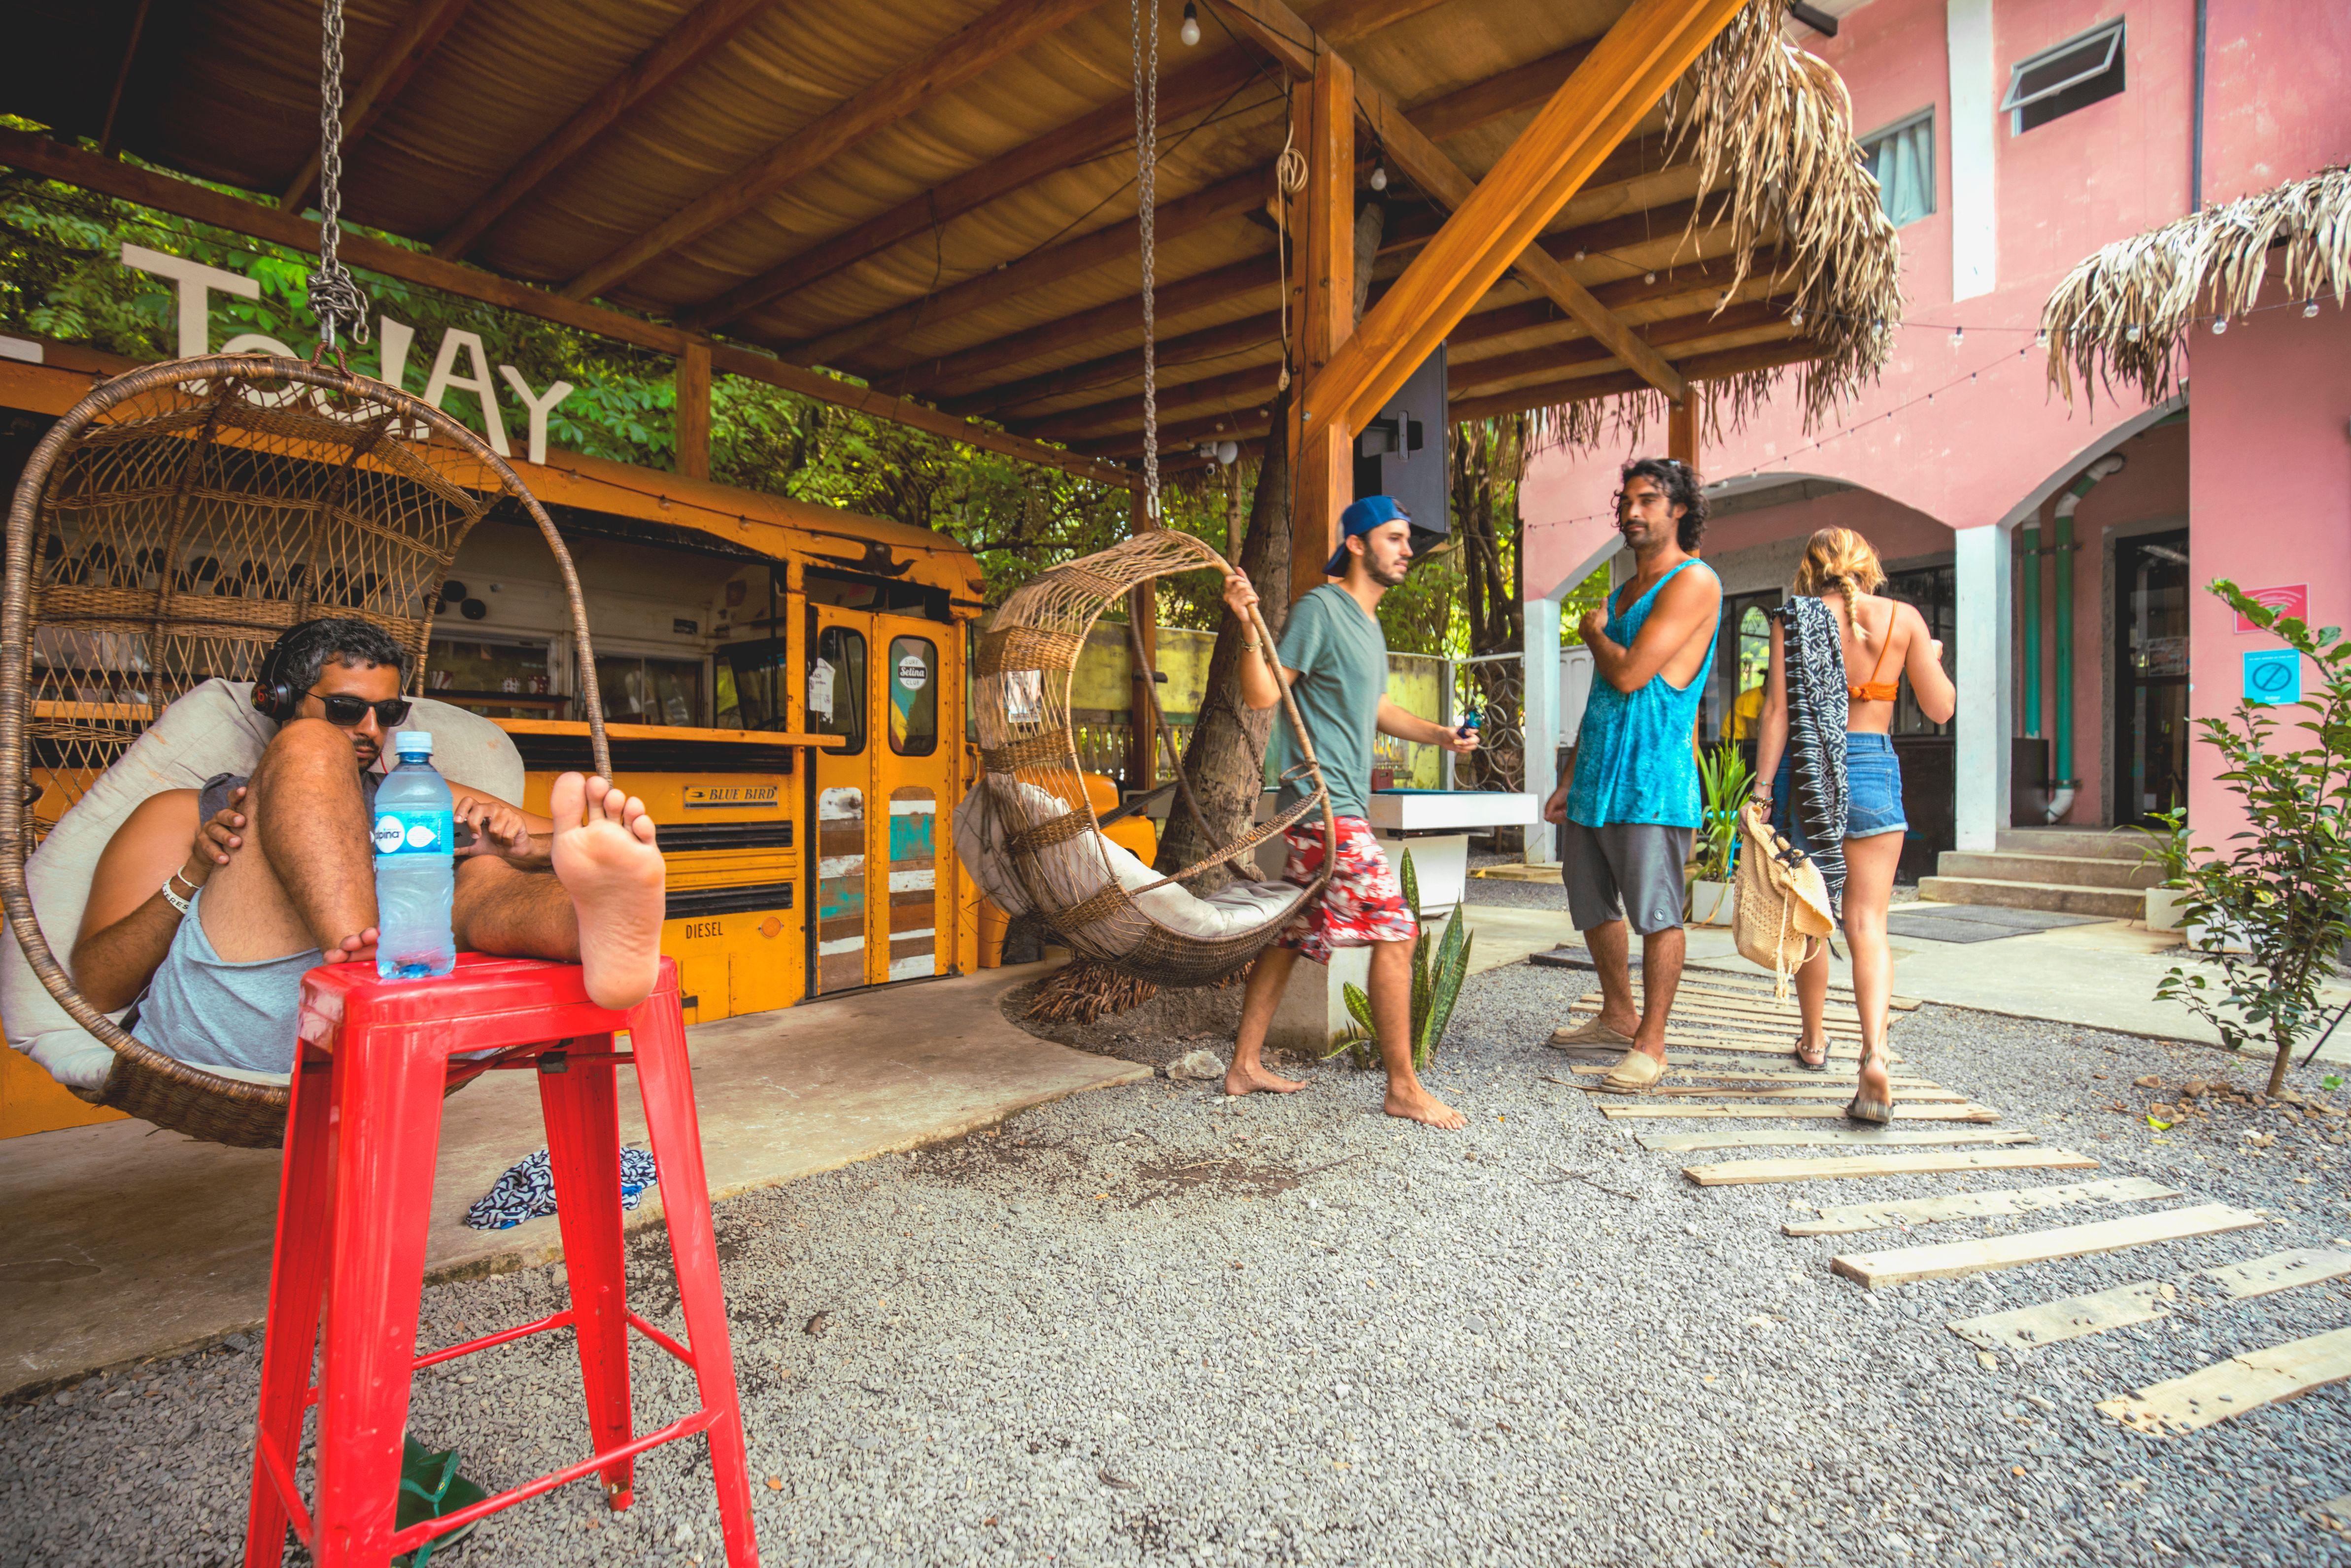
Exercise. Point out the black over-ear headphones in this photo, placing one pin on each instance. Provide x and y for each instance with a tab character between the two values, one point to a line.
274	695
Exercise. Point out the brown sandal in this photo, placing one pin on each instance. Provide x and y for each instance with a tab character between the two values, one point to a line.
1820	1066
1870	1113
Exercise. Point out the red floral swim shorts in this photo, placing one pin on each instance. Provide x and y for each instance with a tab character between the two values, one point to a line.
1362	903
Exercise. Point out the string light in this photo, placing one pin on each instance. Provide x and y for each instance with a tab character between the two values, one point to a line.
1190	31
2309	309
1796	317
1379	177
1959	336
2220	325
1652	277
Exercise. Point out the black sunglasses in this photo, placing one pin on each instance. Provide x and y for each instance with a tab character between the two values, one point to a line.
344	711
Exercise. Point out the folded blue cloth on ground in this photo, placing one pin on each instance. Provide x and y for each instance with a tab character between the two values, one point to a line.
528	1190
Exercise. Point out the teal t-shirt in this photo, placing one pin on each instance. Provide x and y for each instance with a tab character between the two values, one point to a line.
1341	660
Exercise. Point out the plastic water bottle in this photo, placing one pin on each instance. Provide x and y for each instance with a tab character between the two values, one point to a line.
415	868
1467	729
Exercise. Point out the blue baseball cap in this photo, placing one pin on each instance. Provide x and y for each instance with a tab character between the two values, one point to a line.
1360	518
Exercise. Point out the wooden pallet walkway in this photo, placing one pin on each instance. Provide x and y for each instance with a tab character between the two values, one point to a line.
1952	1259
1821	1137
2143	1301
1960	1113
1838	1167
2244	1383
1849	1219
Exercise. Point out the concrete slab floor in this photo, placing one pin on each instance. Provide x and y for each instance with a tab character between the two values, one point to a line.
119	1241
2100	976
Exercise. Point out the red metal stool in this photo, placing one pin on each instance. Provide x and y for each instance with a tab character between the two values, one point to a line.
353	1206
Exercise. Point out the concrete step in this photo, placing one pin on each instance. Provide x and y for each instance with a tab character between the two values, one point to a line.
2108	902
2072	870
2083	843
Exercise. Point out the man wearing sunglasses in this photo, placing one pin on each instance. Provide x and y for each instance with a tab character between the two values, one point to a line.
212	944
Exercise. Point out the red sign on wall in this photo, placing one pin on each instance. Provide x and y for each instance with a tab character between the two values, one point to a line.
2288	599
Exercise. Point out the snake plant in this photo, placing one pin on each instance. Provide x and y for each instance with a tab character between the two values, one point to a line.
1436	988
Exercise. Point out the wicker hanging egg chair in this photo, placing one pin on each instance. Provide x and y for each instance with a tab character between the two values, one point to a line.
1048	854
164	532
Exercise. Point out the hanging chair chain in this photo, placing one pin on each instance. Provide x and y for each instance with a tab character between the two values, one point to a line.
1146	193
335	297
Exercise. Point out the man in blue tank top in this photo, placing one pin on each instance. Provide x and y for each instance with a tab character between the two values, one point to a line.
1630	799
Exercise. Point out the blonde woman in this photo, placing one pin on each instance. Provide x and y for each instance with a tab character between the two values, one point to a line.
1824	761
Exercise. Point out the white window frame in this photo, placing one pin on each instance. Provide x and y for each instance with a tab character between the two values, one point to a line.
2015	105
1934	171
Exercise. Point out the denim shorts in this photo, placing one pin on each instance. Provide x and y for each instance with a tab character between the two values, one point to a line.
1872	782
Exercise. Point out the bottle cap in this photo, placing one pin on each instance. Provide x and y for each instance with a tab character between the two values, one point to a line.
408	742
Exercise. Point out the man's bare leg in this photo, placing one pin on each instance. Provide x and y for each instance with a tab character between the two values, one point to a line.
312	884
1612	958
1661	975
1391	995
1268	979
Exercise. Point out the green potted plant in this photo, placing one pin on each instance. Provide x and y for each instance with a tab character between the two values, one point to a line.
1724	781
2268	916
2167	850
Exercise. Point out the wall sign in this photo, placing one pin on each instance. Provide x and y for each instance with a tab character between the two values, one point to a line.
2272	676
197	283
2287	598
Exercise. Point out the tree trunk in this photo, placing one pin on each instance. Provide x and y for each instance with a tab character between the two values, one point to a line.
1225	757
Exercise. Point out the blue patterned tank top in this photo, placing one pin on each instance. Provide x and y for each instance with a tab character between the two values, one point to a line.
1633	759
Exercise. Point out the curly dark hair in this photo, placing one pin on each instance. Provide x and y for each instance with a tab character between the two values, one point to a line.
299	655
1680	483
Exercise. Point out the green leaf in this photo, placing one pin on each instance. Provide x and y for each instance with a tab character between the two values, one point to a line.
1411	886
1358	1006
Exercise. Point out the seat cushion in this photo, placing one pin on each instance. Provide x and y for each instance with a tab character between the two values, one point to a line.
212	729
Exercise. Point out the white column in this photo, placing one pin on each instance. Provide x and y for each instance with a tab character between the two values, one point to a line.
1542	717
1987	682
1974	136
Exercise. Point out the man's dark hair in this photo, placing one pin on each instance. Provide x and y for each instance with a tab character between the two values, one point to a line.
297	656
1680	483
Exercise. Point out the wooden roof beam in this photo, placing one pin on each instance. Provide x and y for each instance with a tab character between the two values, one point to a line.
187	199
706	30
420	32
1428	167
1628	72
1697	368
938	70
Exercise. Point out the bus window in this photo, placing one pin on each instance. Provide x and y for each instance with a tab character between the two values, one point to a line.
836	688
497	679
751	690
914	696
637	690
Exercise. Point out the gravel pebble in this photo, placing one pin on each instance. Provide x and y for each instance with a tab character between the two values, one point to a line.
1150	1325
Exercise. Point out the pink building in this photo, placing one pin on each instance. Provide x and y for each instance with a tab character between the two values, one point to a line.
2061	548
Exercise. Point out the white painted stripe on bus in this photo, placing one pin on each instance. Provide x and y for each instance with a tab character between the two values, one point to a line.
830	866
846	945
913	881
927	931
913	807
914	968
838	805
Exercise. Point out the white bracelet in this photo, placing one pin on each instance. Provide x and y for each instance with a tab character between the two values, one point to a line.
173	898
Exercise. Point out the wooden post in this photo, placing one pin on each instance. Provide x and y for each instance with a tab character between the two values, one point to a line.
1681	431
1324	224
1143	609
692	430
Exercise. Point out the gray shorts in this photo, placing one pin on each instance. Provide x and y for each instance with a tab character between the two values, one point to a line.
1621	864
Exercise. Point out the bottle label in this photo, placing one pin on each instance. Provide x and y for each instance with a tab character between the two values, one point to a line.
413	833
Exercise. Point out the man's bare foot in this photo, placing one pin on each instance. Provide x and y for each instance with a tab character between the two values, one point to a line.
605	858
1416	1103
1254	1077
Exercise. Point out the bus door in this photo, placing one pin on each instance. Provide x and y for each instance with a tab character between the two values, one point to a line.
884	893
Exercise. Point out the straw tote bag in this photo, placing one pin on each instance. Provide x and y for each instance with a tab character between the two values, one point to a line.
1783	914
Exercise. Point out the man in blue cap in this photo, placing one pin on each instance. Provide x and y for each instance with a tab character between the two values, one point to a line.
1335	662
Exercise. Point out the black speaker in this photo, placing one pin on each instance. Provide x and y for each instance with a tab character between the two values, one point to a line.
1401	452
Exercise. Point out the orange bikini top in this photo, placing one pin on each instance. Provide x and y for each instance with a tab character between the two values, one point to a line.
1874	690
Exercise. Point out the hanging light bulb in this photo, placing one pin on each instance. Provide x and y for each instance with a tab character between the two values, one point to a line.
2309	309
1796	317
2040	339
2220	325
1649	277
1228	452
1190	31
1579	253
1959	336
2130	333
1379	177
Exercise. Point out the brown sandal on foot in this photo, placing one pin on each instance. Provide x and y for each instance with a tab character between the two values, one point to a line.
1820	1066
1868	1111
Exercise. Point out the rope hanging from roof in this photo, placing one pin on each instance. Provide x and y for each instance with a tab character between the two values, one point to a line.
1147	198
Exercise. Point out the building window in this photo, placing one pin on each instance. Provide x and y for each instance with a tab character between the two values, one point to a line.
914	696
1901	158
638	690
1933	591
2069	77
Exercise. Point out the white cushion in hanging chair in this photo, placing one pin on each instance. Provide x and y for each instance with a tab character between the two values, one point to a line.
984	827
212	729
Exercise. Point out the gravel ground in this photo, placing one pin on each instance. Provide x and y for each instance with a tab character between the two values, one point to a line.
1149	1325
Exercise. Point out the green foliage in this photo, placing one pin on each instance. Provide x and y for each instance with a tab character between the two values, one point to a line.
1590	595
2167	848
1436	988
2283	891
1724	781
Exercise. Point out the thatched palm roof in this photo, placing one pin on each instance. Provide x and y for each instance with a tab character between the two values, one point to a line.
937	197
2123	315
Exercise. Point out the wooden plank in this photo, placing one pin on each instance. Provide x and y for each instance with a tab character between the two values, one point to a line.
706	28
1840	1008
1766	1075
1816	1137
2029	1328
1963	1112
1976	1206
2231	1387
1731	983
1952	1259
1820	1088
1741	1046
1786	349
1322	469
2281	1271
938	70
1735	1173
1650	46
1735	1018
690	436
